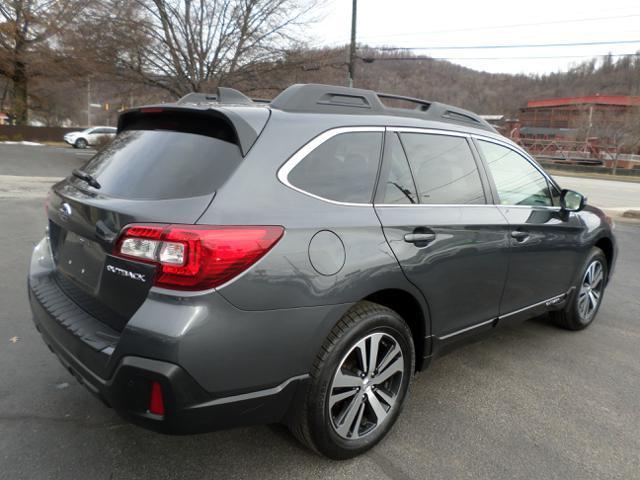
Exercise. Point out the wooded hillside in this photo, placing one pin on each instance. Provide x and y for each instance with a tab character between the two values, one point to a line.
444	81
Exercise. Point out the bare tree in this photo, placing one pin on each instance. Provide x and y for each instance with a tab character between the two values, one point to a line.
189	45
624	135
27	28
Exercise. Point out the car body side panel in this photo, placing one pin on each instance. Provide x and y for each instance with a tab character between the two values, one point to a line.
286	278
462	272
544	264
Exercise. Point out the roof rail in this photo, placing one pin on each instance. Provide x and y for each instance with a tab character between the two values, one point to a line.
316	98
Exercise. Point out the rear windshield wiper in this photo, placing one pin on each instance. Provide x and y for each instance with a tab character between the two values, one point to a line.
87	177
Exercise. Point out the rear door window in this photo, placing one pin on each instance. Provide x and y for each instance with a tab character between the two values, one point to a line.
343	169
163	164
444	169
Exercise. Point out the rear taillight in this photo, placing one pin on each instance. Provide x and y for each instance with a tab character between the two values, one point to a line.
196	257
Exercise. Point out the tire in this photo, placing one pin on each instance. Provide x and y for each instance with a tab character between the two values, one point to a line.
340	422
589	291
81	143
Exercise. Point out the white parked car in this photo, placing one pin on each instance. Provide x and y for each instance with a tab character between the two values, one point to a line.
90	136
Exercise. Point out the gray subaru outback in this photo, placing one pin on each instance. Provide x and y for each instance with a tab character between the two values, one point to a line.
228	262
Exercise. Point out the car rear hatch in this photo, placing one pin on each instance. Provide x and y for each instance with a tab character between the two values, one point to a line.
164	167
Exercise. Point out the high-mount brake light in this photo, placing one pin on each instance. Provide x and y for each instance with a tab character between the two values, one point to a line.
196	257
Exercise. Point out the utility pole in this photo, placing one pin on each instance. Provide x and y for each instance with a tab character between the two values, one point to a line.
352	49
88	101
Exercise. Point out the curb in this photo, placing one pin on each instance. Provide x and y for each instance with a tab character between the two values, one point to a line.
624	215
634	214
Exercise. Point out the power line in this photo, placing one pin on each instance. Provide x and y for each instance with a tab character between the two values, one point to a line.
378	59
498	27
492	47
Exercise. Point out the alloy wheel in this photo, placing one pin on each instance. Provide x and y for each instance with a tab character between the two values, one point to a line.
366	386
591	290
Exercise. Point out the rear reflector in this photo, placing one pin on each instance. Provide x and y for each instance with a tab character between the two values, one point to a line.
197	257
156	402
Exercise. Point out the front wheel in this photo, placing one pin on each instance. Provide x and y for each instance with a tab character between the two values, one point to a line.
358	383
81	143
587	296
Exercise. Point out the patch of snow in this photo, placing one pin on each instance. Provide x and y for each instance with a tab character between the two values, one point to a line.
36	144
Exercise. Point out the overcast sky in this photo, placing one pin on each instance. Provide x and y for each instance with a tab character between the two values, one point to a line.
425	23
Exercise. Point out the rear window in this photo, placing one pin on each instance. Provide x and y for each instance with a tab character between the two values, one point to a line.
162	164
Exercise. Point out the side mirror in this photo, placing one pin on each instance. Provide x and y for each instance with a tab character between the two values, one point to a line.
571	201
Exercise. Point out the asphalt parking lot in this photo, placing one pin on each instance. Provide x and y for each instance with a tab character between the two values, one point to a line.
529	401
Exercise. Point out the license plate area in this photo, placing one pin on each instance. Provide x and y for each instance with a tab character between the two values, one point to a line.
81	259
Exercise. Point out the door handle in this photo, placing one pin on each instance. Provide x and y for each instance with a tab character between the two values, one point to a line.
419	237
520	236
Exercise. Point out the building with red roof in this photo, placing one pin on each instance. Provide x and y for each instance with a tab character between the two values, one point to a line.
573	117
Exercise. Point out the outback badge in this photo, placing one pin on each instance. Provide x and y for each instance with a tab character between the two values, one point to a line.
126	273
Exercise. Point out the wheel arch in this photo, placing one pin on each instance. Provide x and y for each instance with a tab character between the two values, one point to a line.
606	245
413	312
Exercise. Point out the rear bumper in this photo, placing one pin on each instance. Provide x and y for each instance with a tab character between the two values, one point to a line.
119	367
218	366
188	407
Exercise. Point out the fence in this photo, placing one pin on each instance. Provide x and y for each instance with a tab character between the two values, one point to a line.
34	134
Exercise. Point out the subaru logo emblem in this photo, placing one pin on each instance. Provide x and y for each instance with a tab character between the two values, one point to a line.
64	212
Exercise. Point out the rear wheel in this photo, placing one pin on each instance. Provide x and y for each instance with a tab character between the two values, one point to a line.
587	297
358	383
80	143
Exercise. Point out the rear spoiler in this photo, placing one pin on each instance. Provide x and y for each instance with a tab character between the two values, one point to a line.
244	123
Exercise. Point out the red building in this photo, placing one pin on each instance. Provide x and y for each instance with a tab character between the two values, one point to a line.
573	118
586	129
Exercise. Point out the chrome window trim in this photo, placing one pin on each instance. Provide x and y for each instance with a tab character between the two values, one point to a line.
296	158
432	131
449	205
552	208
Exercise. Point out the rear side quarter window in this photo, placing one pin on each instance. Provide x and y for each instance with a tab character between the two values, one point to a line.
396	182
342	169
